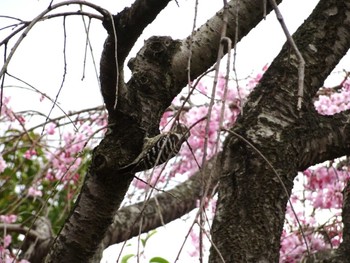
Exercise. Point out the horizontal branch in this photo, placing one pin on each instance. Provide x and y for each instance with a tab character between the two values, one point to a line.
18	228
317	145
170	205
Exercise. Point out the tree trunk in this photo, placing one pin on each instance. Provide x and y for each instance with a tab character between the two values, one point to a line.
257	181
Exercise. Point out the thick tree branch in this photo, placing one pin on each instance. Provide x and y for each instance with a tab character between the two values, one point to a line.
131	22
126	28
317	146
329	24
141	104
171	205
206	40
100	196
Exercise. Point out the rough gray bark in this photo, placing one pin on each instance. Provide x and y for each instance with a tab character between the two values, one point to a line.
251	206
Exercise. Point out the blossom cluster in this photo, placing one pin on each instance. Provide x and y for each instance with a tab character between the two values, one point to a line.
5	254
337	101
49	155
319	197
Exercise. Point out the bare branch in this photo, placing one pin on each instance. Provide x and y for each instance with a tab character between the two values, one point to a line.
290	39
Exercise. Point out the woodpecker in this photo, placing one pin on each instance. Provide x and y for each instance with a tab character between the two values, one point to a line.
158	150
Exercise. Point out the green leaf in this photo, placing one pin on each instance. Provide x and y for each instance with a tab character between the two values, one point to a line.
158	260
126	258
149	234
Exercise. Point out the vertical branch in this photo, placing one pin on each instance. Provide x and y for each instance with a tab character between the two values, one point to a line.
87	41
116	62
222	112
3	80
205	185
235	58
64	72
301	67
191	43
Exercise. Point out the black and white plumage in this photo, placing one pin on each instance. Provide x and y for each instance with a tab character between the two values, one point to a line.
158	150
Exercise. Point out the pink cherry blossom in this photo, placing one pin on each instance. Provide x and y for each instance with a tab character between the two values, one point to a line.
3	164
29	154
8	219
34	192
7	240
50	128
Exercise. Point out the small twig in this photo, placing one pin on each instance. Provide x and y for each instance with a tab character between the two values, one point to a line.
191	44
116	62
64	72
87	30
213	244
222	112
235	58
30	25
301	67
88	43
79	13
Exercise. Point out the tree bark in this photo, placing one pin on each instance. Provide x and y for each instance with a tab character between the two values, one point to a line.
253	196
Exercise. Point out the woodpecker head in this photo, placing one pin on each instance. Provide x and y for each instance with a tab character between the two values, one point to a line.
183	130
